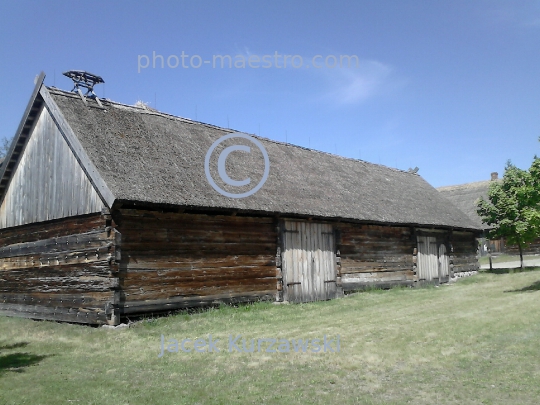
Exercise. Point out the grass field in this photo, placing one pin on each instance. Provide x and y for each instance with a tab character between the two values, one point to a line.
473	342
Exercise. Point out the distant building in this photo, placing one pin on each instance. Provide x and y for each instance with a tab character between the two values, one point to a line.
466	197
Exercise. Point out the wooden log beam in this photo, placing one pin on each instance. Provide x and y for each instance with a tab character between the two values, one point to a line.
160	305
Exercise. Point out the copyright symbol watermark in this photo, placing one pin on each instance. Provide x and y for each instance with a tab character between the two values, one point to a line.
222	159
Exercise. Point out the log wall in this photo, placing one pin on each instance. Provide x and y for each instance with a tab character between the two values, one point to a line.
463	256
59	270
175	260
373	255
99	267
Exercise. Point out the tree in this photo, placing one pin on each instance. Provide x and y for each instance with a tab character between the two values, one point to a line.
513	209
4	147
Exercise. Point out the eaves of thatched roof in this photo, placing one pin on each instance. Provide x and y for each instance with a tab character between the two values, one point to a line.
148	157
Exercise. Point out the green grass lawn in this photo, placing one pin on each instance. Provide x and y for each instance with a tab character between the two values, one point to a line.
473	342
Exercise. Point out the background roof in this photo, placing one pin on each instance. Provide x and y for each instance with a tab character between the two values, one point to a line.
466	196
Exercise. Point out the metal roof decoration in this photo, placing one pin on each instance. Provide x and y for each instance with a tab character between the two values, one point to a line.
85	80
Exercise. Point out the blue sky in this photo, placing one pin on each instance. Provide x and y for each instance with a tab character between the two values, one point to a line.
452	87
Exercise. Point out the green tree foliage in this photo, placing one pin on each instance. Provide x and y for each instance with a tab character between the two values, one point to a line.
513	209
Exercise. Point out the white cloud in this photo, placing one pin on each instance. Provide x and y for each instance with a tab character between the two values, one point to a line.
337	85
355	85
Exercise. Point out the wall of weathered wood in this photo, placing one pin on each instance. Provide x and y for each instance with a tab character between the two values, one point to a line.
59	270
97	268
48	182
373	255
463	256
175	260
531	248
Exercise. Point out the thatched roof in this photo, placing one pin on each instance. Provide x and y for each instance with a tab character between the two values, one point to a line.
466	196
149	157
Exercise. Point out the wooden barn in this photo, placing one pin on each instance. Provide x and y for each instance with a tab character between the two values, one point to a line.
106	211
465	197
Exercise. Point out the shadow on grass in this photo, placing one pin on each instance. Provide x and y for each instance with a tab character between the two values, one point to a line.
16	362
533	287
13	346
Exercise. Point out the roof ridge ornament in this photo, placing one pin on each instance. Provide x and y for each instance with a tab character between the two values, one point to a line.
86	80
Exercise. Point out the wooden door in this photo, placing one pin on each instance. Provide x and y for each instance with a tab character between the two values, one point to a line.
427	260
309	262
444	264
433	261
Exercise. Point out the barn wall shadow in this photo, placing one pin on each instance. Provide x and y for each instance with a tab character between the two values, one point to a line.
533	287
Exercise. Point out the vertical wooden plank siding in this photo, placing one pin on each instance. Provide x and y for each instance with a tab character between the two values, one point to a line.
433	258
428	264
309	263
422	260
48	182
314	269
290	272
317	266
309	270
433	269
444	264
286	256
330	277
317	269
297	237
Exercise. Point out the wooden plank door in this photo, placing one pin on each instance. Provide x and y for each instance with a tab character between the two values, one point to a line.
444	264
427	260
309	262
